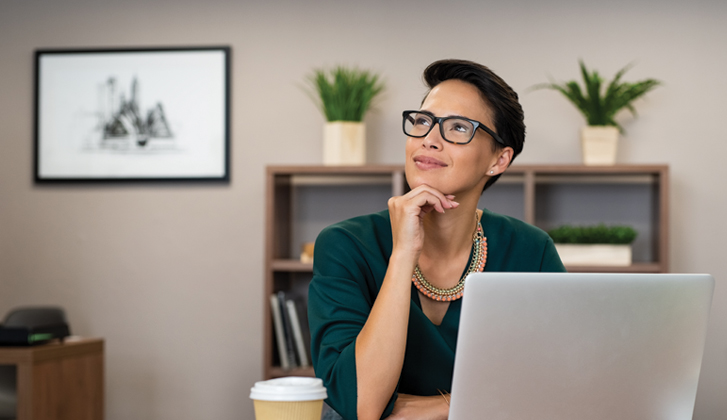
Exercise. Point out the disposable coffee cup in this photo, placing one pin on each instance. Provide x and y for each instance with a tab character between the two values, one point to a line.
289	398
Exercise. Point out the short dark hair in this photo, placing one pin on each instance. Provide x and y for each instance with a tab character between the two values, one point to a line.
508	114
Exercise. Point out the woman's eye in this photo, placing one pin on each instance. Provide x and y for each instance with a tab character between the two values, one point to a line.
422	121
460	128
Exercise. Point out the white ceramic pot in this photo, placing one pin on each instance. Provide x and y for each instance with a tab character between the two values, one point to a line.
594	254
344	143
599	145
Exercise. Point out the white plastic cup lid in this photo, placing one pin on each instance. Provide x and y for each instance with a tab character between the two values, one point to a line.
290	388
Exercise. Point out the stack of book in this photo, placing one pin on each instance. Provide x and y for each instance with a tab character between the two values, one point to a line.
292	335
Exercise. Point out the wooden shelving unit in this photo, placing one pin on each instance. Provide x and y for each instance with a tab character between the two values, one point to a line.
543	195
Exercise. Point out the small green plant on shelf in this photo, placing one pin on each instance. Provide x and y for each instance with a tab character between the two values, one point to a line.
599	234
599	107
344	94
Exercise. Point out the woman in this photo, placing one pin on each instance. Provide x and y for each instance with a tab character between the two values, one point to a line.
384	300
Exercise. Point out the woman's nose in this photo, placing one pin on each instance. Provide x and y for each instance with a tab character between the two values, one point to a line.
433	140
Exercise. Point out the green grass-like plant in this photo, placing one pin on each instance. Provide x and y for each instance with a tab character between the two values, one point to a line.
599	234
599	106
345	94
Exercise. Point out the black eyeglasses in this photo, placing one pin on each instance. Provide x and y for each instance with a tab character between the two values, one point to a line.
457	130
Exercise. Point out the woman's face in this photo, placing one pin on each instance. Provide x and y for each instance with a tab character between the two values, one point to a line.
455	168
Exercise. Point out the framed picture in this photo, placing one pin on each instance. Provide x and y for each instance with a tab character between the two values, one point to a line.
121	115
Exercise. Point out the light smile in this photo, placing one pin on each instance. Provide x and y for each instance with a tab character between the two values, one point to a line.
426	162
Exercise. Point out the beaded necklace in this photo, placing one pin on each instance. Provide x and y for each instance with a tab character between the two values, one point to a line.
479	258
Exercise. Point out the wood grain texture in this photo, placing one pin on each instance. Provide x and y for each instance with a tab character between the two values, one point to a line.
59	381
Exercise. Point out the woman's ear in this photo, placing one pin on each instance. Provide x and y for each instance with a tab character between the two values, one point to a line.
504	157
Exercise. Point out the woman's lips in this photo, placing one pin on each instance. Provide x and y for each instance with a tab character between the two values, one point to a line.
425	162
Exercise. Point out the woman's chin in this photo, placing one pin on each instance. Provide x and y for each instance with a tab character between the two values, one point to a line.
416	178
433	183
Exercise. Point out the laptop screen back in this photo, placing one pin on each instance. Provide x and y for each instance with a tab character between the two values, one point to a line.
563	346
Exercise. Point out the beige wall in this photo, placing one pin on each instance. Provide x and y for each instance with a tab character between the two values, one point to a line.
171	276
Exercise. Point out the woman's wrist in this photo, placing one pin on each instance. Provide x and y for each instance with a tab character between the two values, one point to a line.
404	260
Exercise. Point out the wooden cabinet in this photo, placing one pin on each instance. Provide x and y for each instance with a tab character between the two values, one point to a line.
58	381
302	200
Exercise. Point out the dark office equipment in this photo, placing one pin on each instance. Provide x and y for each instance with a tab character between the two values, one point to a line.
35	325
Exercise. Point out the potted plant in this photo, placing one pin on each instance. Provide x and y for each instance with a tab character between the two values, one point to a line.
344	95
600	106
594	245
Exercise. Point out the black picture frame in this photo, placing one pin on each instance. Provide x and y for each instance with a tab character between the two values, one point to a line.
132	115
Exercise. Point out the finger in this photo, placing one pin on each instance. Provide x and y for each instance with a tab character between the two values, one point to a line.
453	203
424	210
416	201
428	202
445	201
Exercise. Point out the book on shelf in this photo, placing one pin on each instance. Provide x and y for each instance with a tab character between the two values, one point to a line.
299	294
288	331
290	322
300	346
279	332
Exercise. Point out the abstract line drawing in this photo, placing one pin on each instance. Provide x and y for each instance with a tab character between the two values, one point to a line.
123	125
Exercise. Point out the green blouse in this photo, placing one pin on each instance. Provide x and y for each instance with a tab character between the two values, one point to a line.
350	261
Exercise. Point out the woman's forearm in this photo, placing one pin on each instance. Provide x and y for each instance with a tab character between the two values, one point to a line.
381	344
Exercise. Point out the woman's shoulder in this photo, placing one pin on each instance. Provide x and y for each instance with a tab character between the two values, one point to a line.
361	227
365	221
514	245
503	223
356	248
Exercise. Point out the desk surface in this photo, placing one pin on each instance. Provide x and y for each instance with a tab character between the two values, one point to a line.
72	346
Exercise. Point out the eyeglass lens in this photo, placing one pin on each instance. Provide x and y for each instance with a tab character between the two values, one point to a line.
455	130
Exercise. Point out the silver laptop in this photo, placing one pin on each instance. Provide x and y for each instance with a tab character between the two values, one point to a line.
564	346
